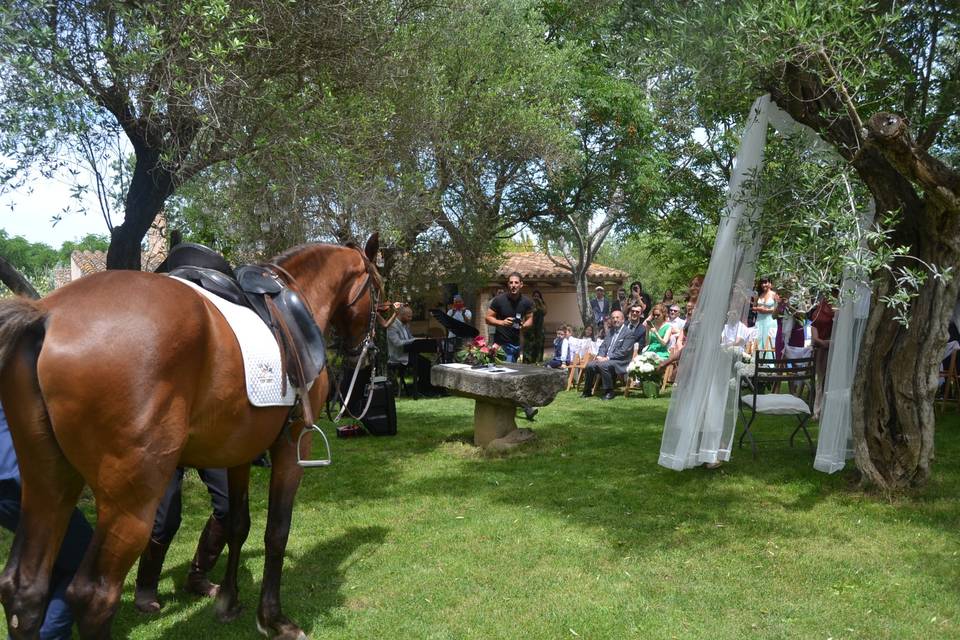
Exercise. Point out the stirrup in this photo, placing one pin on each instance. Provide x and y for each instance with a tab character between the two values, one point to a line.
314	463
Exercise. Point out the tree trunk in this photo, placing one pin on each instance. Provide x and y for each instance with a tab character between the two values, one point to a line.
892	399
150	186
892	396
580	278
15	280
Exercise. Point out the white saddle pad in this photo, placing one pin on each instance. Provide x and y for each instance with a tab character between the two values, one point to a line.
261	354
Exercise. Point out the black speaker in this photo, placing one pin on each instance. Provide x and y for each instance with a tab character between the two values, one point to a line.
381	418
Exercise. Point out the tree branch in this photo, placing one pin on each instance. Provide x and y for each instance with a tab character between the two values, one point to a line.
15	280
889	134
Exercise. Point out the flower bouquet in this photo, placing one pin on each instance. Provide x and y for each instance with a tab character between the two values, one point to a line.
478	352
745	365
644	373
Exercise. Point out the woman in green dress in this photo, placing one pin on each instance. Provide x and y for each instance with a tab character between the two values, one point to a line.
659	332
533	343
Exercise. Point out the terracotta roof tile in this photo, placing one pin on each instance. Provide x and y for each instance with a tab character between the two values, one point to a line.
90	261
538	266
96	261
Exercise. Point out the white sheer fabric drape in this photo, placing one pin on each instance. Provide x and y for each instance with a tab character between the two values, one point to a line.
702	415
834	441
703	410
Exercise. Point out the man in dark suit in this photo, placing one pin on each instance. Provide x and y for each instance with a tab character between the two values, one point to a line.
614	355
600	307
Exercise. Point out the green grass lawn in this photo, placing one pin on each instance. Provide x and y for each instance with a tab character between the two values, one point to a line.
582	534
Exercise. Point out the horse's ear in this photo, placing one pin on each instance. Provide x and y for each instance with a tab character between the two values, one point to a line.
372	247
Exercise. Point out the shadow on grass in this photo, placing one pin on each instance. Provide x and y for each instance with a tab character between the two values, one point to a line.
596	463
310	589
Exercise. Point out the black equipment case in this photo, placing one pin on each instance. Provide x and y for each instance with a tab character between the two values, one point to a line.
381	418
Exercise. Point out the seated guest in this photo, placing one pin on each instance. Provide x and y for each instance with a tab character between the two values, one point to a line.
561	354
673	317
613	357
735	332
635	324
658	337
587	335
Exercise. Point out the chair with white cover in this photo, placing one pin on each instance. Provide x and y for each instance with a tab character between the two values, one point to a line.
756	395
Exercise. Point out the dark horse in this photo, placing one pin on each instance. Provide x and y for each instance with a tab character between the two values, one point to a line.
118	378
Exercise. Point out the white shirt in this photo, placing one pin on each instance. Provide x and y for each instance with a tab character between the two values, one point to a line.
463	315
736	334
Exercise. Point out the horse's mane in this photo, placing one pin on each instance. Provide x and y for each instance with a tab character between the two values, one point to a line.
301	249
294	252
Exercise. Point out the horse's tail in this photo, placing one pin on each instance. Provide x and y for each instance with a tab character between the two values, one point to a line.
17	317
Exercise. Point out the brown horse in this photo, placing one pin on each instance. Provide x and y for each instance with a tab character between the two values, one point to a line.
114	381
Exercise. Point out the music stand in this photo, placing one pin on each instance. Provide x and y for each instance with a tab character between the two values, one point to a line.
461	330
454	326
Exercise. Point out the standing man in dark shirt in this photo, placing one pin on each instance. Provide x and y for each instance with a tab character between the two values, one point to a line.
510	313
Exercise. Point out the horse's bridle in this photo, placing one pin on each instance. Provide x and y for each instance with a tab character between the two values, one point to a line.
368	343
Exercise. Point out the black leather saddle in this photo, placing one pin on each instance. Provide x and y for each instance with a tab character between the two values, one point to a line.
302	346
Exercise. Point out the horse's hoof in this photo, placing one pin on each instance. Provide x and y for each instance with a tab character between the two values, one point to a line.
227	612
200	586
283	629
146	601
229	615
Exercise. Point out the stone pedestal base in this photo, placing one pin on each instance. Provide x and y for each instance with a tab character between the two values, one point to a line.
497	397
492	420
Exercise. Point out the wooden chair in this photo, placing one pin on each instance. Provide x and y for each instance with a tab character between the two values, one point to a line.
669	376
584	361
950	382
757	397
618	379
573	369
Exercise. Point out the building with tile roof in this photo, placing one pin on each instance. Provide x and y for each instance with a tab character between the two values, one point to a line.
84	263
541	273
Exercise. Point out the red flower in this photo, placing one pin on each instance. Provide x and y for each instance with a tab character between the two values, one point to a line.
484	350
479	341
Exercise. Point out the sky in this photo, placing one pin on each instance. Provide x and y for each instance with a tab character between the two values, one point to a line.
28	212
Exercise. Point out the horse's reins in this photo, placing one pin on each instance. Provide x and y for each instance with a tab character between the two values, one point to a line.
368	344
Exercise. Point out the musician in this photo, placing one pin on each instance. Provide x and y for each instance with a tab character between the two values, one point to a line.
399	336
458	311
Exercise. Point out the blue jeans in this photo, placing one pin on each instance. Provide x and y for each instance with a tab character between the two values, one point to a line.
58	621
511	352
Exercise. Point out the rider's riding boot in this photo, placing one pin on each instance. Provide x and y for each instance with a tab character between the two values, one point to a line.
148	576
211	544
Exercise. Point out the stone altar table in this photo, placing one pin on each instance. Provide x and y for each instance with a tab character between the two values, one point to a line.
498	395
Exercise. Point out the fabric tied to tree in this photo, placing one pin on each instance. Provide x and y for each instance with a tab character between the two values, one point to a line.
702	415
834	442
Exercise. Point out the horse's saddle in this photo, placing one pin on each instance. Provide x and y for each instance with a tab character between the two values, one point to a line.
302	347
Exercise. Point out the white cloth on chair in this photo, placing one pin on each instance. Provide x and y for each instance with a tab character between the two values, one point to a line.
781	404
